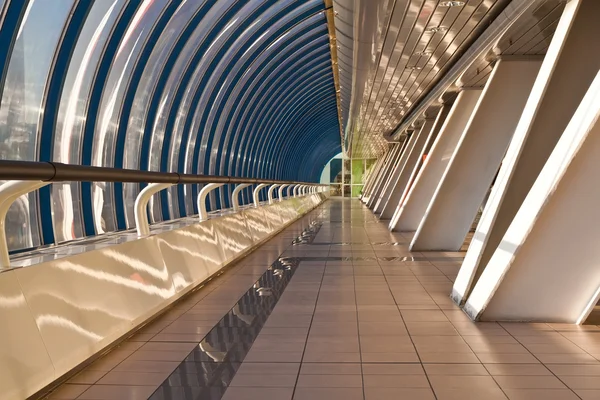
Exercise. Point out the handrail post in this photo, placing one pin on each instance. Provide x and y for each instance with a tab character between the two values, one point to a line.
234	195
270	192
9	192
257	192
202	213
281	191
141	205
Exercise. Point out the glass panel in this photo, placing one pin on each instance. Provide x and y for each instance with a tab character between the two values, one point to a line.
110	107
336	190
143	97
173	81
21	106
357	170
335	170
369	163
356	190
347	192
66	198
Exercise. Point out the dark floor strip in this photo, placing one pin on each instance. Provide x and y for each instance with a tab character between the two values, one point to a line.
208	370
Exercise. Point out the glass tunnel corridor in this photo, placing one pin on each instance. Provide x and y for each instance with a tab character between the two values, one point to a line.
299	199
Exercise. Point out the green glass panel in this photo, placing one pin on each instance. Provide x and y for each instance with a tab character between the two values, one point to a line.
356	189
358	171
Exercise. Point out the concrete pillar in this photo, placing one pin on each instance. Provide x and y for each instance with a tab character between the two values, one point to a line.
476	160
396	170
408	216
427	136
564	77
546	266
385	174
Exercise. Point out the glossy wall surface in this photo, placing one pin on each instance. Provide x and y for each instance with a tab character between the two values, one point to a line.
59	313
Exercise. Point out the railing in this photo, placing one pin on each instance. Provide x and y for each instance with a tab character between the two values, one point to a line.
24	176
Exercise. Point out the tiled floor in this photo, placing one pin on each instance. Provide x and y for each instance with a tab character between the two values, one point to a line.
361	318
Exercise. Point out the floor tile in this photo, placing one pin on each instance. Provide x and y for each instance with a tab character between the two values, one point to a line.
118	392
68	392
325	381
396	381
305	393
517	369
540	394
372	393
246	393
455	369
255	380
330	369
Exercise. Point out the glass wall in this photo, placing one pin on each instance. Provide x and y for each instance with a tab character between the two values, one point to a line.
347	175
192	86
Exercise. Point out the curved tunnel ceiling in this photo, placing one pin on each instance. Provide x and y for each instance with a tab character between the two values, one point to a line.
223	87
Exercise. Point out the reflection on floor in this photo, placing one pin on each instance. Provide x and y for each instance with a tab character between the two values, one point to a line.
346	312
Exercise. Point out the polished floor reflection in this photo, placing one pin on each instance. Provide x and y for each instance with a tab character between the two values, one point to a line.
336	307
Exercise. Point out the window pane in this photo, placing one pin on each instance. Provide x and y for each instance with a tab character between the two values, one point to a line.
145	93
110	107
66	198
356	189
21	106
357	171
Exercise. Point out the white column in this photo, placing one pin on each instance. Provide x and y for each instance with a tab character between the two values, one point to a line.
385	173
546	266
427	135
565	75
476	160
396	170
408	216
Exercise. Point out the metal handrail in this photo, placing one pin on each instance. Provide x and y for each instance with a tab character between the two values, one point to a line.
26	176
46	171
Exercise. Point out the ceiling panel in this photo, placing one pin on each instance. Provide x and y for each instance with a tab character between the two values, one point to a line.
395	52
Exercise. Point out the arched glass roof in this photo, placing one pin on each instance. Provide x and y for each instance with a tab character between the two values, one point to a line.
223	87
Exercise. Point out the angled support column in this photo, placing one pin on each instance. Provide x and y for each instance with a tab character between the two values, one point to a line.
396	170
565	75
385	174
202	213
409	214
235	198
475	162
255	194
426	136
377	178
372	176
546	267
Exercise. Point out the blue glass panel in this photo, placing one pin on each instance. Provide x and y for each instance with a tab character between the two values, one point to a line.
68	136
104	142
21	108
